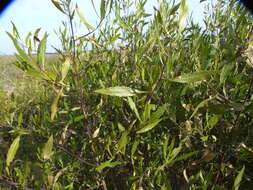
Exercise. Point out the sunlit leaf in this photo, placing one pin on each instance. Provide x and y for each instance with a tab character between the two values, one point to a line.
12	150
83	20
183	14
42	50
133	107
65	68
121	127
47	150
120	91
95	134
194	77
18	48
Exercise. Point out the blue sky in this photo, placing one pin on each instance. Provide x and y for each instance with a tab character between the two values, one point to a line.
28	15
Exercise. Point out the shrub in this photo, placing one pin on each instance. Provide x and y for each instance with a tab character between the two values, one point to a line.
140	102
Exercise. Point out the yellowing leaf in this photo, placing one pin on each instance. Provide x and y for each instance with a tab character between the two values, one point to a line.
65	68
47	150
83	20
58	175
120	91
95	134
183	14
12	150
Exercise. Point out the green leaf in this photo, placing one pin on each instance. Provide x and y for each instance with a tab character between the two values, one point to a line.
96	132
134	147
54	104
12	150
225	72
133	107
183	14
65	68
238	179
59	173
149	126
121	127
120	91
123	142
107	164
47	150
15	31
186	156
83	20
159	112
42	50
200	105
174	9
76	119
102	9
18	48
57	5
147	111
194	77
159	17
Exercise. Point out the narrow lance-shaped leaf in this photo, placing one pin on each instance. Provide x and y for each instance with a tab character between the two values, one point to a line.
54	104
59	174
238	179
123	141
18	48
133	107
174	9
65	68
107	164
120	91
200	105
193	77
149	126
102	9
15	31
12	150
35	36
57	5
47	150
83	20
42	50
183	14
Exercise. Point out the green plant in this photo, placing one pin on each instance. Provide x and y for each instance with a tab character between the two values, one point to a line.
143	101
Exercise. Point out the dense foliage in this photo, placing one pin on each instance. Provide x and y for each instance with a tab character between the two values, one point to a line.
142	101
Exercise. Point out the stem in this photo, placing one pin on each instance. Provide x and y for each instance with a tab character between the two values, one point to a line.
77	74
